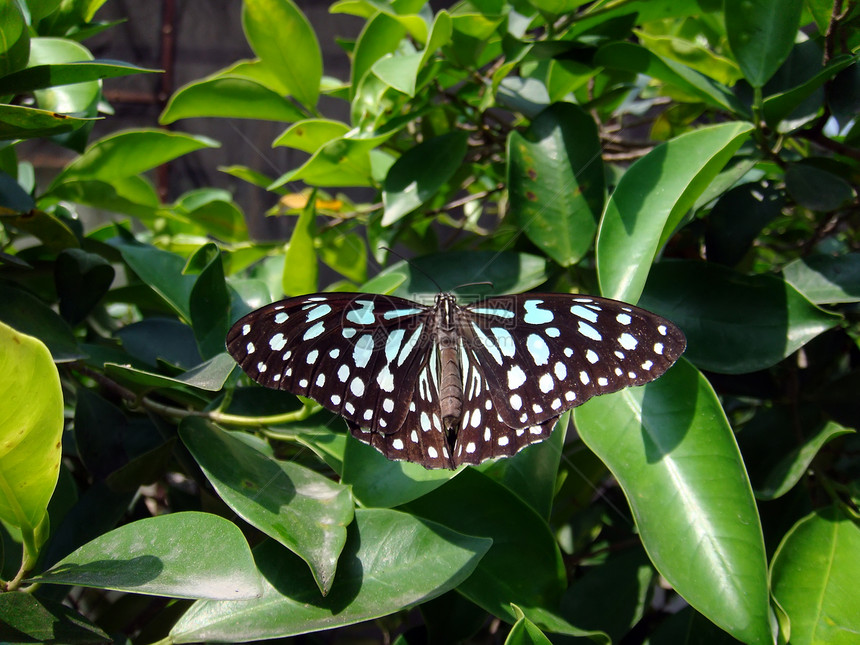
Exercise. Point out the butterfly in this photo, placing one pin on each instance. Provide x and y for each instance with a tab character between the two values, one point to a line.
446	385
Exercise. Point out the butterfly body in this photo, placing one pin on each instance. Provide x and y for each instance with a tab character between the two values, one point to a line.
446	384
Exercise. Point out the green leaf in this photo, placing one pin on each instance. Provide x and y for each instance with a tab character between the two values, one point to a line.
231	97
31	316
163	272
650	200
18	122
52	231
769	319
761	34
379	482
31	425
345	253
635	58
13	197
555	181
38	77
532	475
525	632
671	449
129	153
524	564
779	106
738	217
209	300
210	376
75	98
284	40
26	619
399	71
179	555
381	35
817	189
626	577
391	561
82	280
340	162
214	212
420	172
311	134
788	470
814	577
825	279
14	39
304	511
508	272
300	262
131	195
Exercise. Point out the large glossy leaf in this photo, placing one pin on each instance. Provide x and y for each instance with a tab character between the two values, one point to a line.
532	475
825	279
225	96
378	482
129	153
419	173
179	555
734	323
650	200
304	511
391	561
555	181
31	424
524	564
814	577
761	34
285	42
671	449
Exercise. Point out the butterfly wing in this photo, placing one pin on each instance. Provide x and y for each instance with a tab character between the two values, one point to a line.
354	353
528	358
421	437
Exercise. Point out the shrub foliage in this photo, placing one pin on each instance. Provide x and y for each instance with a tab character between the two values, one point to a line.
699	158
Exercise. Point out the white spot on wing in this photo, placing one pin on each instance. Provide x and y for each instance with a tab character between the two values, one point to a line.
627	341
516	377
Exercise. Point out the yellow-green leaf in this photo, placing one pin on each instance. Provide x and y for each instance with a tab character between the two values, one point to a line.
31	423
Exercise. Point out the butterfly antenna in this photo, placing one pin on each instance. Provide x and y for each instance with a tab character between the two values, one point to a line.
414	266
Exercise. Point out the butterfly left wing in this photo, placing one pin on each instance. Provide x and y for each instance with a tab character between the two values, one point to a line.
348	351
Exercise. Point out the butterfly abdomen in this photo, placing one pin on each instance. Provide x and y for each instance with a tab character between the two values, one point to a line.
451	380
